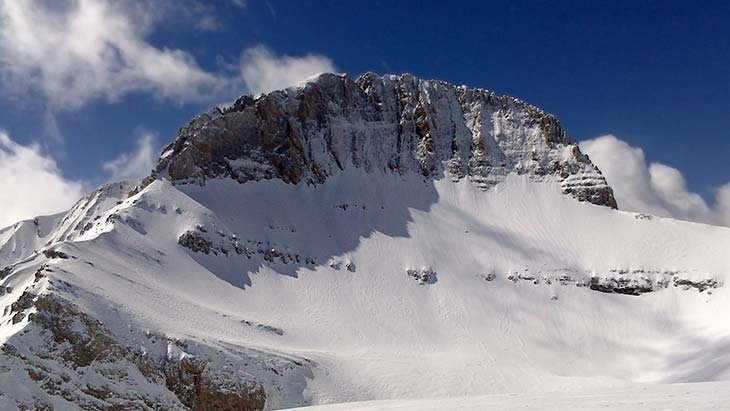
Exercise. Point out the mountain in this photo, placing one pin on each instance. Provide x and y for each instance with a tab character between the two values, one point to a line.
390	124
357	239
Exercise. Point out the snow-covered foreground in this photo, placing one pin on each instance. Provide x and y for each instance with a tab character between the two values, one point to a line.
674	397
387	287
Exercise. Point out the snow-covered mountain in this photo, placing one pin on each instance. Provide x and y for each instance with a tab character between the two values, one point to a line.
390	124
357	239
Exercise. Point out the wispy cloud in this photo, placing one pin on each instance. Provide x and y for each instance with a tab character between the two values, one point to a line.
90	49
74	52
136	163
653	188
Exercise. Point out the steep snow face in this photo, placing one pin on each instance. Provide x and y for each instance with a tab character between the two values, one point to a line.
370	285
396	124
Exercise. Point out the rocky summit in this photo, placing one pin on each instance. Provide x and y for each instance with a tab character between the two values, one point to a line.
394	124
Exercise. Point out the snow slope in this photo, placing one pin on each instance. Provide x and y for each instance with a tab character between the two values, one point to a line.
674	397
375	332
355	240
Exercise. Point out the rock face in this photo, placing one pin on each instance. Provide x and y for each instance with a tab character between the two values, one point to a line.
391	124
74	361
202	389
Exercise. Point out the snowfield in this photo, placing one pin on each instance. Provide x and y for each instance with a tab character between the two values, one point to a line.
380	238
379	287
675	397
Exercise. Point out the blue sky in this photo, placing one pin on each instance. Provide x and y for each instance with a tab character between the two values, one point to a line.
654	74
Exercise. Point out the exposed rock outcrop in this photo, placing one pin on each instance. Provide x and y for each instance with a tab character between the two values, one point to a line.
618	281
424	276
393	124
202	389
73	359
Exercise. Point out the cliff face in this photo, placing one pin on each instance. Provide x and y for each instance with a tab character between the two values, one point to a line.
393	124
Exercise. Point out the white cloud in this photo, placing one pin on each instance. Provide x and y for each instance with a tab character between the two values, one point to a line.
262	71
653	188
723	203
72	52
135	164
79	50
31	183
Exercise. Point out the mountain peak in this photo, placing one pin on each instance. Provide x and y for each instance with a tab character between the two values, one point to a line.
381	124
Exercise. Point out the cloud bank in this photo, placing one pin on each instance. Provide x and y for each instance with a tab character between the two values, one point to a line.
653	188
32	184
